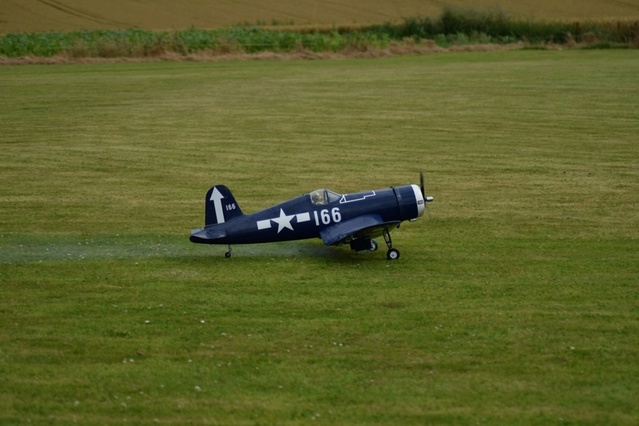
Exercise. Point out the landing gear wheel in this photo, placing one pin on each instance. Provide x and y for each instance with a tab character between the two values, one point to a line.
392	254
374	245
228	253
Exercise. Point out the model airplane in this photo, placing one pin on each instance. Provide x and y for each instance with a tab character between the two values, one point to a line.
337	219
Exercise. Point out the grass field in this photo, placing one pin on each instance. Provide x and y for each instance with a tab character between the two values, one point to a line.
515	300
73	15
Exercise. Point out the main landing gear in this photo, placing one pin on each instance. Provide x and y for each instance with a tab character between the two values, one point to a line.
392	253
366	244
228	253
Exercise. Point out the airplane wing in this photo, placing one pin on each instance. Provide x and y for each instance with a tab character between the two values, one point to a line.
370	226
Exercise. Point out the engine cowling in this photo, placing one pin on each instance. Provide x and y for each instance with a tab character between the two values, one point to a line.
410	201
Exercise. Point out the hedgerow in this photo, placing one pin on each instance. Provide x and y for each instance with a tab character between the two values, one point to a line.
453	27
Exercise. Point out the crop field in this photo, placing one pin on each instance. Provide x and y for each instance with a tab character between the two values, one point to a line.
72	15
515	300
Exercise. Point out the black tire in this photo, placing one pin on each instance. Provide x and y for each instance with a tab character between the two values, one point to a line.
392	254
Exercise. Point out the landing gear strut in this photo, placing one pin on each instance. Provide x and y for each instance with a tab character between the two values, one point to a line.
392	253
228	253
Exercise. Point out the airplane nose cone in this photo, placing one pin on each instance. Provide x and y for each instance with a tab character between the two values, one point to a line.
419	200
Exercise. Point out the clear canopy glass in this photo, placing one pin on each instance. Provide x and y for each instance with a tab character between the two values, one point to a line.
323	196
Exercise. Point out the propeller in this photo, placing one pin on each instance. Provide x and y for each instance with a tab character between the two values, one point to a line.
428	198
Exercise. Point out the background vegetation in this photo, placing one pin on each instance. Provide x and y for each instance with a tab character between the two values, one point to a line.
453	27
515	300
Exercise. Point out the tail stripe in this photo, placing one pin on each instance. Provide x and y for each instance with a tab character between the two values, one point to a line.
217	197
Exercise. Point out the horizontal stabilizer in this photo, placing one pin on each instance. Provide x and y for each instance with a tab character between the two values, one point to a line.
207	235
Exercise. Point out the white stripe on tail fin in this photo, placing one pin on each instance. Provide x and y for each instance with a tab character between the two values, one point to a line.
220	206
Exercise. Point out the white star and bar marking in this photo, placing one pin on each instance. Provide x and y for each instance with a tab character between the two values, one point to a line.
283	221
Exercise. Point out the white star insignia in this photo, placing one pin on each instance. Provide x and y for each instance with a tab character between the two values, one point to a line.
284	221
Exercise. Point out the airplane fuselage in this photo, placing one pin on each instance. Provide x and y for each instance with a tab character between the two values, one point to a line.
319	214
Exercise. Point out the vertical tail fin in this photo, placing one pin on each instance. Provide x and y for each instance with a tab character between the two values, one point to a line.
220	206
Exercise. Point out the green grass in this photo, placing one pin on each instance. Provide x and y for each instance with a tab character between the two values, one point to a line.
514	301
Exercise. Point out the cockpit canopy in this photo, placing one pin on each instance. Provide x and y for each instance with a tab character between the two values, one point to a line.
323	196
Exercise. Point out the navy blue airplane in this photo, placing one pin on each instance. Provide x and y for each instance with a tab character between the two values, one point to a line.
337	219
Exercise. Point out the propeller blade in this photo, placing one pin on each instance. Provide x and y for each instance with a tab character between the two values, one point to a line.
427	198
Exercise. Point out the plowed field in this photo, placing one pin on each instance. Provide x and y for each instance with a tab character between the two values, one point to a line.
67	15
